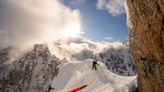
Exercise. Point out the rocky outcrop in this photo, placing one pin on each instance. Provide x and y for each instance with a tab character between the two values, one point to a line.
119	61
146	37
33	72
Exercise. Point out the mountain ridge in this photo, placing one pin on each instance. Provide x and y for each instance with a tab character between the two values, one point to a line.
33	72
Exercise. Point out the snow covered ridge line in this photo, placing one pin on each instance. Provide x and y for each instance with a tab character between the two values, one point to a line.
33	72
76	73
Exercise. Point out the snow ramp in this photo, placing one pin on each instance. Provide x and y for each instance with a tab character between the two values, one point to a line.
76	73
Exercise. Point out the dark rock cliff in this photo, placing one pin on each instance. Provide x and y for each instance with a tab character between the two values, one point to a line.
146	37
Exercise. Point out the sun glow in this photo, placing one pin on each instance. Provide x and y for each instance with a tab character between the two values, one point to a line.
72	30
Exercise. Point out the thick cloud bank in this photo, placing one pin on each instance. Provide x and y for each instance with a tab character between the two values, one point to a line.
81	48
26	22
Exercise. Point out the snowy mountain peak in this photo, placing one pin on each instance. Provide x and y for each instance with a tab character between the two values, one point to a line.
33	72
4	54
118	61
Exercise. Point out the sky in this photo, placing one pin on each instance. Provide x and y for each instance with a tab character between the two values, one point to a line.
24	23
101	22
85	25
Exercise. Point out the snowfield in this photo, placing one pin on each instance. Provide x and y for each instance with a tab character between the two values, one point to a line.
76	73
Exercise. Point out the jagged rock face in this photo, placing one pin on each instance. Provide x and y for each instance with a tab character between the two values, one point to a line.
4	55
146	37
118	61
33	72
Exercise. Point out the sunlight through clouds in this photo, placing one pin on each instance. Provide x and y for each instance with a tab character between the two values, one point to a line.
27	22
72	30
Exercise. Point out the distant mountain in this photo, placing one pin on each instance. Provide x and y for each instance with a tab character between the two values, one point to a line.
32	72
115	55
119	61
4	55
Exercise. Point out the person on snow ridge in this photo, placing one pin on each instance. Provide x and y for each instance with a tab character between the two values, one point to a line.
50	88
94	67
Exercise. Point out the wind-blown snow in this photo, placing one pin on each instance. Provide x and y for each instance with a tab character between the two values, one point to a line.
76	73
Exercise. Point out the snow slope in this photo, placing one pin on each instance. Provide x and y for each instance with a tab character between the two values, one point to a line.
76	73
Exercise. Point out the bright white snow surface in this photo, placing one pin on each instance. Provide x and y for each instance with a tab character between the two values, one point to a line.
76	73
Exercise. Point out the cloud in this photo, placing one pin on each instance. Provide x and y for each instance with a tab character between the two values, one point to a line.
81	48
116	55
26	22
108	38
77	2
114	7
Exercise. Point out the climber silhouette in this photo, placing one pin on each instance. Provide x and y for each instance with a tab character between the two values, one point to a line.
50	88
94	67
